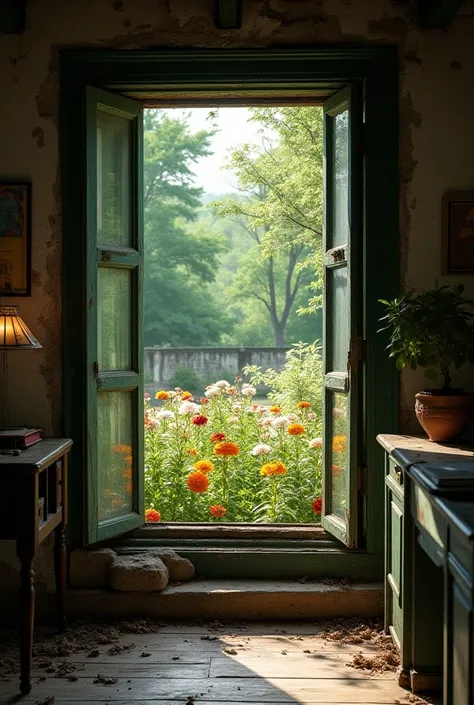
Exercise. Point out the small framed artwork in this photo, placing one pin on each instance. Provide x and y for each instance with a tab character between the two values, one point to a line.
458	232
15	239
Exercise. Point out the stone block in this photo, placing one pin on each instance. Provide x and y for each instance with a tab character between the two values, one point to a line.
139	572
90	569
180	569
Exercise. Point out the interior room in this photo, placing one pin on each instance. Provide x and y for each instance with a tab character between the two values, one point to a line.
237	348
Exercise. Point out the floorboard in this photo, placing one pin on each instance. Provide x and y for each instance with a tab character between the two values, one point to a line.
214	665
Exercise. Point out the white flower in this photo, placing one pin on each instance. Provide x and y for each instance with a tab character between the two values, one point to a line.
265	422
233	419
249	391
222	384
311	415
338	412
315	443
292	417
236	406
280	422
152	423
189	407
261	449
164	414
212	391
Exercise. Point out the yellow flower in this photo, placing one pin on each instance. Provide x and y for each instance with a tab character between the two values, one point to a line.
296	429
339	444
186	395
275	409
162	395
204	466
226	448
271	469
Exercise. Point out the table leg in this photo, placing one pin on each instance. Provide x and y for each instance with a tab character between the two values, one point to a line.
27	618
60	565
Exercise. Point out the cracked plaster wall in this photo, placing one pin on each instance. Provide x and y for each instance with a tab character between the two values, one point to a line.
436	139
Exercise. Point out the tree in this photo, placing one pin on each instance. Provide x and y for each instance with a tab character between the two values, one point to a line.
180	263
280	208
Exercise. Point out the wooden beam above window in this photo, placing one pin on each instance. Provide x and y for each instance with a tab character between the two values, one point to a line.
228	14
438	13
12	16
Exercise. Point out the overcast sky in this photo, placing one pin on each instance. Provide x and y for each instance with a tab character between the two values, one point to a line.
233	129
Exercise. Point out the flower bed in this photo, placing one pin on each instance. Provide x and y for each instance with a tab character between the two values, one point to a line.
225	458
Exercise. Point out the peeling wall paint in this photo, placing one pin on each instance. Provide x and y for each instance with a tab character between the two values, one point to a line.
436	138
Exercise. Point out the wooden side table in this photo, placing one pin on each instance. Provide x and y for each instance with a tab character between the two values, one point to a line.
34	488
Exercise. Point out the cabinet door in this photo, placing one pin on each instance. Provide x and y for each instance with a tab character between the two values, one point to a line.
459	644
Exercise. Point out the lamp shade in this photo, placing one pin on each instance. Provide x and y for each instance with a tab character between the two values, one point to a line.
14	333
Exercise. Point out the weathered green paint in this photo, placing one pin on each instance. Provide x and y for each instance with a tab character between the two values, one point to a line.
98	381
280	72
228	14
343	253
438	13
12	16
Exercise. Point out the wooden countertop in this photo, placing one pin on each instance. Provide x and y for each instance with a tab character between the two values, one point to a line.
37	456
408	450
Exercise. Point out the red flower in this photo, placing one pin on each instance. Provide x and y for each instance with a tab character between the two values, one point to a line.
199	420
336	469
216	437
318	505
204	400
217	510
152	515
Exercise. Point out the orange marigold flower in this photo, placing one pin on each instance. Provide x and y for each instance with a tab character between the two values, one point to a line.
270	469
128	473
226	448
217	510
191	451
200	420
339	444
318	505
152	515
216	437
129	487
275	409
128	459
162	395
197	482
303	405
122	449
204	466
336	469
296	429
186	395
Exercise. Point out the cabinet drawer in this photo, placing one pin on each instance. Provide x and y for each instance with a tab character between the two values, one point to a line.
395	471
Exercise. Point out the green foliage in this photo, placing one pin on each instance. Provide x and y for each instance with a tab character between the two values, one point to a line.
280	210
300	379
432	329
187	379
180	263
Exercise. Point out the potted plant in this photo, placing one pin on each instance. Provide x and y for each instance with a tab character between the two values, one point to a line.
434	329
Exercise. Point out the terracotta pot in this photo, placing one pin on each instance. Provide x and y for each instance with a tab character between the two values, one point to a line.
444	418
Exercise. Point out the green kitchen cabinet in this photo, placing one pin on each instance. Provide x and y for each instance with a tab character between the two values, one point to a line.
429	564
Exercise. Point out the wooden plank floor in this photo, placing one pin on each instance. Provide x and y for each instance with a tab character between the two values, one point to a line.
185	664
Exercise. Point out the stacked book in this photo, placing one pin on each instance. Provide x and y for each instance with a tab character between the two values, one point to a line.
19	438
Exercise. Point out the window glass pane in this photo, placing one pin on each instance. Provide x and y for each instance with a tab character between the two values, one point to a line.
339	453
340	199
114	292
113	179
338	296
116	461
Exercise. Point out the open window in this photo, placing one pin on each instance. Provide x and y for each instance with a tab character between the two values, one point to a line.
114	313
342	336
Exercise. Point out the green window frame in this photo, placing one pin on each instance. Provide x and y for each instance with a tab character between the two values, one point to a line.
236	77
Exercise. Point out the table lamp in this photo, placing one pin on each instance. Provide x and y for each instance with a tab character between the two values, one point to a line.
14	335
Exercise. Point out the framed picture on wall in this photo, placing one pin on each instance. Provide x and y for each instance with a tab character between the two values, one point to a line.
458	232
15	239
